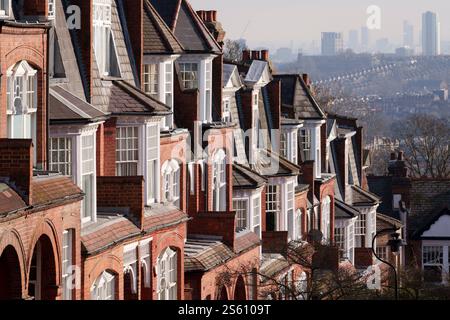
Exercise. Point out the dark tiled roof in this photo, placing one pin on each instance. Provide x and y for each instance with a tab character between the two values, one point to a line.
158	38
389	220
50	189
362	197
246	242
273	265
345	211
9	200
109	229
245	178
271	164
203	254
295	93
127	99
161	216
64	106
190	31
382	187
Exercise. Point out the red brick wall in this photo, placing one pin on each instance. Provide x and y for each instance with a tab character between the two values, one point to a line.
187	106
109	149
28	44
127	192
274	89
35	7
274	242
16	162
215	224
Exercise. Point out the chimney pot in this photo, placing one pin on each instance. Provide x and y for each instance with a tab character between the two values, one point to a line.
401	156
393	156
255	55
209	16
201	14
214	15
245	55
306	79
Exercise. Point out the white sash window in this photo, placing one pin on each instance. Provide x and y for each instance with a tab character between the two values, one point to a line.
171	182
5	8
102	35
167	275
104	287
219	181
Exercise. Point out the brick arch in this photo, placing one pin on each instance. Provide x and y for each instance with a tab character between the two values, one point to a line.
33	56
240	291
46	228
111	264
11	239
172	239
222	293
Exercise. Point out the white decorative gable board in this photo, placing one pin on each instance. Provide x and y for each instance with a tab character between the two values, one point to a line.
439	229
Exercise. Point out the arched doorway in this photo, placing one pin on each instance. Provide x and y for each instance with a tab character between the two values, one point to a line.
42	273
10	275
223	294
239	291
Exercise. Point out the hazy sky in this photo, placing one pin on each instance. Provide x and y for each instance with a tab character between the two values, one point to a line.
278	22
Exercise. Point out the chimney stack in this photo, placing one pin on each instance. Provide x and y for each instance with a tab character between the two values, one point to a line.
306	79
264	55
255	55
393	156
245	55
201	14
401	156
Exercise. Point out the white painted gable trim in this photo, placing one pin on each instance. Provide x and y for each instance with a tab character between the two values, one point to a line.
439	229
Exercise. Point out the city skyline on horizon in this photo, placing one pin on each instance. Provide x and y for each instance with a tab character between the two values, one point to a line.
250	25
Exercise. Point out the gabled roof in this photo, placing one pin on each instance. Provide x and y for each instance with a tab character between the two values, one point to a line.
231	78
270	164
189	29
158	38
295	93
362	197
345	211
429	228
389	220
127	99
66	107
258	73
245	178
10	201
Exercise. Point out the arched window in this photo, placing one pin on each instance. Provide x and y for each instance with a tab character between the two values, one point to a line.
167	266
325	218
171	182
104	287
21	96
219	181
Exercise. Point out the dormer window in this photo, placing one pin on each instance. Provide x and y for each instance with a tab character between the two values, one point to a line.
103	39
21	101
5	8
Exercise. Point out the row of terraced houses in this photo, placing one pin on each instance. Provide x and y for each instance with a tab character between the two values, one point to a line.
136	163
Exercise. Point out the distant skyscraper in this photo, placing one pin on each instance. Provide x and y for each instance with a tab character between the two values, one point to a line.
332	43
365	38
353	40
431	38
408	34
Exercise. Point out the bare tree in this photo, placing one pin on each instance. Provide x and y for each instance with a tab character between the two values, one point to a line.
233	49
426	142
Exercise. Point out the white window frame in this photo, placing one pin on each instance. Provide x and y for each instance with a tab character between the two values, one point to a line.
21	112
104	288
430	248
152	160
63	161
88	170
102	24
325	218
5	8
242	209
127	151
189	74
226	113
167	275
51	9
306	144
171	177
67	264
219	181
273	202
256	219
151	79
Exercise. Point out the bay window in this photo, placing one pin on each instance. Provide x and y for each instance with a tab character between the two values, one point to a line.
151	80
88	177
272	206
104	288
22	102
167	266
435	261
242	212
169	91
219	181
226	113
305	144
360	230
326	218
152	163
283	145
61	155
189	75
257	215
127	151
171	182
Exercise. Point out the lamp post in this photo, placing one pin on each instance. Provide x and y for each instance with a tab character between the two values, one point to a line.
394	244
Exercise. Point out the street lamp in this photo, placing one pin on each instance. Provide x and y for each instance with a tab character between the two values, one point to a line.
395	244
